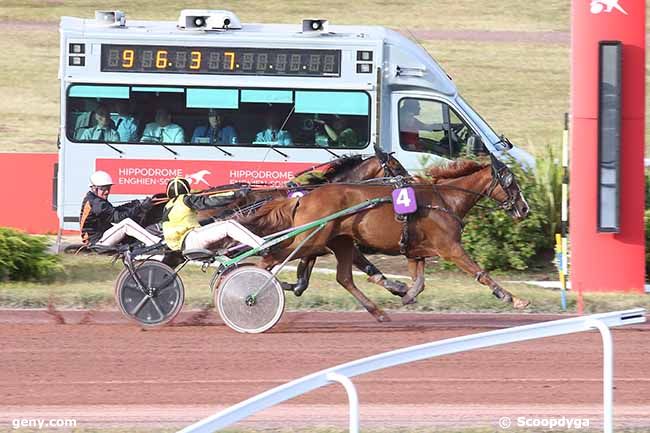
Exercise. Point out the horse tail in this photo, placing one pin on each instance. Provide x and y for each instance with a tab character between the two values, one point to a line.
274	216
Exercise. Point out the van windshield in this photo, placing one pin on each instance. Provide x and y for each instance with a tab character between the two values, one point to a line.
218	116
478	120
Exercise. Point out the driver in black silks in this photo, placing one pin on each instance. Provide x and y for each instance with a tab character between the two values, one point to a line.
103	224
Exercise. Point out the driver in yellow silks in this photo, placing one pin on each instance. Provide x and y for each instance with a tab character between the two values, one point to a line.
181	227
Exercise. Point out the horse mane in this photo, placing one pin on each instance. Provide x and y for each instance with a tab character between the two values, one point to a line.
346	161
459	168
272	217
329	169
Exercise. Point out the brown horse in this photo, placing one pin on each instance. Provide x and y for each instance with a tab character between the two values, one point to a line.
433	230
351	168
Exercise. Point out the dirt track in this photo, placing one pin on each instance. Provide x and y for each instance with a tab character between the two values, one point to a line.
106	372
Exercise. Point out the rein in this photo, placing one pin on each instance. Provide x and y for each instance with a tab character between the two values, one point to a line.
247	210
506	205
478	194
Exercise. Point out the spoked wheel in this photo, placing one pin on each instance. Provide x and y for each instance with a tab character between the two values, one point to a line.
249	299
158	301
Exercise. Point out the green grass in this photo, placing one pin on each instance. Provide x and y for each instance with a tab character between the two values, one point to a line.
525	98
30	91
443	14
521	89
88	283
508	94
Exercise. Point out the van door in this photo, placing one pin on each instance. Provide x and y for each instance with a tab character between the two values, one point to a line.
429	131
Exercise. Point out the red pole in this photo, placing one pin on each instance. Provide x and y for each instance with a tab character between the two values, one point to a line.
580	302
606	261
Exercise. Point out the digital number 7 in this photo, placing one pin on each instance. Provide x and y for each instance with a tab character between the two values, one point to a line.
231	56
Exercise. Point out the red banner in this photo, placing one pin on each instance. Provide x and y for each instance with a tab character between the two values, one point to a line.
144	176
26	190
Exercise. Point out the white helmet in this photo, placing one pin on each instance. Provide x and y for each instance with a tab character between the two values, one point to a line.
100	178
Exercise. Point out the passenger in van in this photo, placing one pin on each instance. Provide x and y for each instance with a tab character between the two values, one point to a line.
338	134
125	123
83	121
163	130
83	117
216	131
103	131
272	133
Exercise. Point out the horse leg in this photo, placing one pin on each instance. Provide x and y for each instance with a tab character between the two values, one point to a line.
459	256
343	251
304	274
395	287
268	262
416	269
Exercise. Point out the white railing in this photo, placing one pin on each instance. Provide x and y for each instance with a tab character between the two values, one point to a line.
343	373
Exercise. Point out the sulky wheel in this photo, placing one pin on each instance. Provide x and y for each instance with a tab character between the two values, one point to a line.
249	299
158	301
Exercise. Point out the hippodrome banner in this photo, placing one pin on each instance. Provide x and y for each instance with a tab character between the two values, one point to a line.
144	176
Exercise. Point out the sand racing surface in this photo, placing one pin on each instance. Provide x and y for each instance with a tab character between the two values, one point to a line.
103	371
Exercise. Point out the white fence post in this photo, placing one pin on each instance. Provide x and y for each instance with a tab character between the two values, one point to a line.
353	398
608	375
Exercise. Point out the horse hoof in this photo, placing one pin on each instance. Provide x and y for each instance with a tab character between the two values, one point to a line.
503	295
409	300
298	292
397	288
519	303
288	287
382	318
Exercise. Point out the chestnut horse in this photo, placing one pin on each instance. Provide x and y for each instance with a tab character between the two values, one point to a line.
434	229
352	168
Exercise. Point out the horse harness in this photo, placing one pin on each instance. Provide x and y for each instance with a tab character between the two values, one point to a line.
399	182
501	175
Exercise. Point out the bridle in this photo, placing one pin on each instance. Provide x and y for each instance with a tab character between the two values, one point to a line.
502	176
384	161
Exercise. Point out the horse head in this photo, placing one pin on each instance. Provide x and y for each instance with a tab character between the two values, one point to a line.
505	190
389	164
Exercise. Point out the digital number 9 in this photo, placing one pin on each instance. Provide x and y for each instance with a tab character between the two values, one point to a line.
196	60
161	59
127	58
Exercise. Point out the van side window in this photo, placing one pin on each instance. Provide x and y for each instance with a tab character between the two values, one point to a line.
429	126
205	116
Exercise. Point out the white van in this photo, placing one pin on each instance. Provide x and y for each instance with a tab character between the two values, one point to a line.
218	101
